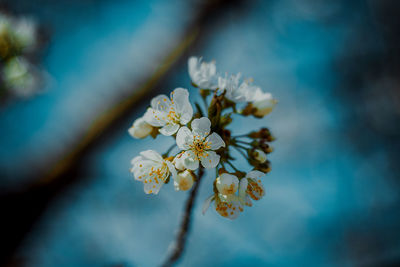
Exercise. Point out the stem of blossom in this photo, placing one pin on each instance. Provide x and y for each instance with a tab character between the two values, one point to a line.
239	146
233	167
204	97
177	247
222	164
240	151
169	150
199	109
243	135
243	142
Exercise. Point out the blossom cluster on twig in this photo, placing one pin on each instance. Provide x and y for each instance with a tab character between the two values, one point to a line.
204	139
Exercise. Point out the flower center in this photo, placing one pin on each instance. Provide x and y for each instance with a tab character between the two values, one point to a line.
184	184
228	190
172	116
199	147
158	174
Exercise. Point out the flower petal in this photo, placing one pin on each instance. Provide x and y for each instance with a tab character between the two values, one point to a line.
255	174
182	106
193	63
227	184
201	127
161	103
140	128
229	208
141	167
190	160
242	187
152	187
183	181
169	129
210	160
178	162
171	168
214	141
151	155
154	117
184	138
207	203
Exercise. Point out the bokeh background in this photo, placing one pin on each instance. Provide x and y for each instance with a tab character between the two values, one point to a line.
67	197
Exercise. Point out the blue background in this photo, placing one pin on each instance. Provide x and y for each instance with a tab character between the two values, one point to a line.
332	196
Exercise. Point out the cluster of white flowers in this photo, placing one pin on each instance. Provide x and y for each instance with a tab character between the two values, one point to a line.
18	39
204	141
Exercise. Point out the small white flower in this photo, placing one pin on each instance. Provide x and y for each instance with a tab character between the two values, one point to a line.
227	184
203	74
140	129
183	181
228	206
260	156
170	114
199	144
255	189
151	169
235	91
263	102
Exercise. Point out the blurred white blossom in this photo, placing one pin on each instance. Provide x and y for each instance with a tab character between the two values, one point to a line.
203	74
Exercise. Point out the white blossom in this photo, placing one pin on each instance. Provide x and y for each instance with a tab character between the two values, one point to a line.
203	74
183	181
227	184
199	145
170	114
140	128
235	90
151	169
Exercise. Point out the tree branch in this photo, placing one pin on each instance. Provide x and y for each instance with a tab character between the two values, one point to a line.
178	246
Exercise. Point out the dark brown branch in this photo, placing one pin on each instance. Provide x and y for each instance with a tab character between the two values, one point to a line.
178	246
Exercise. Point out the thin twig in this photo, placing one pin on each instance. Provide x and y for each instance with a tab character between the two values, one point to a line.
178	246
233	167
166	154
242	142
240	151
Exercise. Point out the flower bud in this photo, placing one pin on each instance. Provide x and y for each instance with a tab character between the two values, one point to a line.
140	129
264	167
178	162
264	105
183	181
259	155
